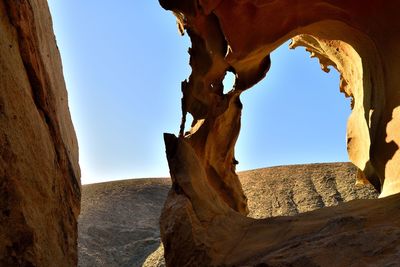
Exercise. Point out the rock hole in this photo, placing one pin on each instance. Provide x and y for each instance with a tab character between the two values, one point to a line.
279	127
229	82
189	123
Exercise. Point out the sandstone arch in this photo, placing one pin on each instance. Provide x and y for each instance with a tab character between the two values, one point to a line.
203	215
202	222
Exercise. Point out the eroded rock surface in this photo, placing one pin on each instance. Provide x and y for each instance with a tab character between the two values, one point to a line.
213	234
39	172
238	37
204	214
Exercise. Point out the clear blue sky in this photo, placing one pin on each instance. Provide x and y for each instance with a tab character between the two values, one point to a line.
123	63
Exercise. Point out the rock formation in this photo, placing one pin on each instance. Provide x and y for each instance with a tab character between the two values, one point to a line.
39	171
118	224
290	190
204	231
203	221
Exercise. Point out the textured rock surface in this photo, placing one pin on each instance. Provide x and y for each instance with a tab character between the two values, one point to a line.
156	259
118	225
39	172
207	232
238	37
207	203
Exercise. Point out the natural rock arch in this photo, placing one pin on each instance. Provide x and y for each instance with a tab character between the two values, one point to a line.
203	221
201	217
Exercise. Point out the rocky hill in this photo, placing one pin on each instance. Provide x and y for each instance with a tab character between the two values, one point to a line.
118	225
289	190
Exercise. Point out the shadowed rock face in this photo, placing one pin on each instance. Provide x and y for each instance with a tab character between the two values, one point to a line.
39	172
206	203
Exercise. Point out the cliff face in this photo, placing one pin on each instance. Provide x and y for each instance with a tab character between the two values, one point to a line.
206	203
39	171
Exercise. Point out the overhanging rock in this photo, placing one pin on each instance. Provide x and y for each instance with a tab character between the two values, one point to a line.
204	216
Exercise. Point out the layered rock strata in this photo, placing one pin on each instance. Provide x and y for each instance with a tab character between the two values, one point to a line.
206	204
39	171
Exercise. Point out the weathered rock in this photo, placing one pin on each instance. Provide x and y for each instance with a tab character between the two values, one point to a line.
206	203
290	190
204	231
239	36
156	259
39	171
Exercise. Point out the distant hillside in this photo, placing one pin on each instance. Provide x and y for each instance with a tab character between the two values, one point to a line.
292	189
118	225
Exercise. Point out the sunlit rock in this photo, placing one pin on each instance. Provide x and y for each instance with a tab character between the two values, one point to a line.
203	221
